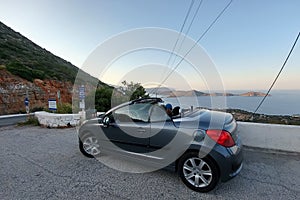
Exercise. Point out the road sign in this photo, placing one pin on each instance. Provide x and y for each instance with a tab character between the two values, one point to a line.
52	104
82	104
81	92
26	101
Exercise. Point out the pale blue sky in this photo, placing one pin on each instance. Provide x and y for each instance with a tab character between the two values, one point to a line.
248	44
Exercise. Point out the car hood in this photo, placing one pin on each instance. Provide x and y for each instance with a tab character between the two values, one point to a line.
204	119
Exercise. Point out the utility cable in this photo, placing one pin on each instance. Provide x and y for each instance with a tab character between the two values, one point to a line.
188	30
204	33
154	90
181	30
277	75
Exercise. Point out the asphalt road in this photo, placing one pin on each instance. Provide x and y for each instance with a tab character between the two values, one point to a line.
6	120
41	163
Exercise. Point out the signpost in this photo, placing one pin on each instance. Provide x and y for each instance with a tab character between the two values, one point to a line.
82	97
58	96
82	102
81	92
52	104
82	105
26	102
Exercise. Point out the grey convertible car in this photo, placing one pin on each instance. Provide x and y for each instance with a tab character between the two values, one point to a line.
201	145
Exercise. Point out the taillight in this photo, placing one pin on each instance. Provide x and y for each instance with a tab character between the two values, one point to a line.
221	137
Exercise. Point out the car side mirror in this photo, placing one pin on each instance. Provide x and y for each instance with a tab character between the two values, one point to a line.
106	121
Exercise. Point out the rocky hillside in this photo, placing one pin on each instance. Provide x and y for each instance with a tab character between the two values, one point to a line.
26	67
13	91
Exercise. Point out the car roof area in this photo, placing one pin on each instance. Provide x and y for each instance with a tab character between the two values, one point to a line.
146	100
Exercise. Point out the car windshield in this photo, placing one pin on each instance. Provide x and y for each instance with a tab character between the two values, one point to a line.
159	114
138	112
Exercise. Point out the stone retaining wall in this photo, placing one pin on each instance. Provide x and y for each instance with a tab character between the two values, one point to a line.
53	120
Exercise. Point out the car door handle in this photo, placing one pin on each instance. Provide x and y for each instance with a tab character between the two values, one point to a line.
141	130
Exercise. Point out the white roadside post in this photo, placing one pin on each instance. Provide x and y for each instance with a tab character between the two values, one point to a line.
82	101
58	96
26	102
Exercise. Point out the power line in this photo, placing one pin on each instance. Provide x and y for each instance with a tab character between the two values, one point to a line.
181	29
154	90
277	75
188	30
204	33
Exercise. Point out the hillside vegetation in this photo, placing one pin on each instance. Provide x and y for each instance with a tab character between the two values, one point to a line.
28	69
23	58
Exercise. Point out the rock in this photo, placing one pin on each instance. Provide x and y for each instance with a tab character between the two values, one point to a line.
13	91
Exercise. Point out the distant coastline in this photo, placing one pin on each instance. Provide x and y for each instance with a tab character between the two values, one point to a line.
280	102
190	93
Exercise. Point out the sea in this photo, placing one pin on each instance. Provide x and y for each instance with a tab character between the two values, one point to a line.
281	102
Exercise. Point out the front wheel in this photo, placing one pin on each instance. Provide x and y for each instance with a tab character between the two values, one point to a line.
89	145
199	174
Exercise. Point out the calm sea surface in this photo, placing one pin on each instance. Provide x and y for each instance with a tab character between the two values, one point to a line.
281	102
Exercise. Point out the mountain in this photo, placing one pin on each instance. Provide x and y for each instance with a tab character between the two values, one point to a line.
159	90
27	60
186	93
253	94
189	93
26	68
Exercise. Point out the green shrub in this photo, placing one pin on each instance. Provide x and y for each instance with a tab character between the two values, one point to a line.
35	109
25	71
30	121
64	108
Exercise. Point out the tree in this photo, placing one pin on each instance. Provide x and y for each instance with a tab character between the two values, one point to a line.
133	90
103	99
107	97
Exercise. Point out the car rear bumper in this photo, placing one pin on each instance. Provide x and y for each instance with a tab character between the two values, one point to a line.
229	160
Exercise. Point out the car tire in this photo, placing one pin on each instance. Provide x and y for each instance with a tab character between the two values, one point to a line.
89	145
199	174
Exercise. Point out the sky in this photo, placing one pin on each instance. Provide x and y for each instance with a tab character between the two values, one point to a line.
247	45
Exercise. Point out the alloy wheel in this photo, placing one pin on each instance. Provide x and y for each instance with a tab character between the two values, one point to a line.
91	145
197	172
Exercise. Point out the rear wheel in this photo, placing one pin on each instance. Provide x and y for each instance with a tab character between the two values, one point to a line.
199	174
89	145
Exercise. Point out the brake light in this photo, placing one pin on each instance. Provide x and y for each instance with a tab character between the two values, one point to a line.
221	137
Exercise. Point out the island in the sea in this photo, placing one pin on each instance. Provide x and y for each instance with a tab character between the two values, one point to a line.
189	93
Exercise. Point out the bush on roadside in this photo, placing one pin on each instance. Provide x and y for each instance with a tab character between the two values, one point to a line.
2	67
36	109
32	120
64	108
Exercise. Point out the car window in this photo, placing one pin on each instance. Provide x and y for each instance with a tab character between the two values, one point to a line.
132	113
158	114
